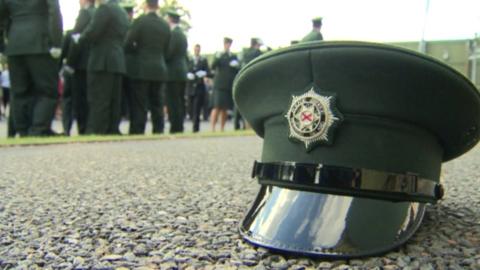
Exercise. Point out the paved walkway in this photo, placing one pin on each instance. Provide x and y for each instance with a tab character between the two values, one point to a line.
175	204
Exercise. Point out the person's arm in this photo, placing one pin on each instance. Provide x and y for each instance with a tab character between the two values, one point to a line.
82	21
55	24
190	64
215	64
206	67
191	69
132	36
74	53
167	42
66	45
98	24
216	60
172	45
3	25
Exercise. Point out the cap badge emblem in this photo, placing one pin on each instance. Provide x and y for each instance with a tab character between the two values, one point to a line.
312	118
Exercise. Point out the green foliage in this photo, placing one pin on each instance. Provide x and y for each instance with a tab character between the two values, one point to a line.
3	61
180	9
171	5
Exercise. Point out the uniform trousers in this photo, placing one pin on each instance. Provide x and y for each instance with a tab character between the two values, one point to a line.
67	112
11	131
79	100
146	96
198	102
34	82
103	94
175	98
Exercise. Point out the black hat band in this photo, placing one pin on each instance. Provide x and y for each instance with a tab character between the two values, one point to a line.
348	181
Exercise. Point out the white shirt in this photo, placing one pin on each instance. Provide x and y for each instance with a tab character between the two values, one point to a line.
5	79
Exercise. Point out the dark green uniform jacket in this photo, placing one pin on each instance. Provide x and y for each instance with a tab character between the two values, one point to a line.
3	29
67	45
250	54
224	72
78	54
105	35
35	26
146	48
312	36
177	56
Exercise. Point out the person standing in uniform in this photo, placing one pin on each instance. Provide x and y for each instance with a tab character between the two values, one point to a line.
225	67
198	71
177	73
78	59
33	51
248	55
315	34
147	44
105	35
252	52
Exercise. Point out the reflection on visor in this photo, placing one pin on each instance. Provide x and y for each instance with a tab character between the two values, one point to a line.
328	225
304	211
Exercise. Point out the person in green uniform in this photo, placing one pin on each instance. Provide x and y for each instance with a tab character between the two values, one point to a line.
77	59
315	34
248	55
129	7
33	51
252	52
146	45
197	89
177	73
225	67
105	35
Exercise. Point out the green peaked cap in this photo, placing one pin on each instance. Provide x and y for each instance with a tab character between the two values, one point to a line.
399	88
173	13
354	136
317	19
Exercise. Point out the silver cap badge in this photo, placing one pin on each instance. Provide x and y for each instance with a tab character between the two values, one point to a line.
312	118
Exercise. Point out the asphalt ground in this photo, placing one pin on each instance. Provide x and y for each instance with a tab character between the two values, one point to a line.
176	204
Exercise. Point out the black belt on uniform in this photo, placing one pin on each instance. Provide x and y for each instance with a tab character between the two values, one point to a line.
348	181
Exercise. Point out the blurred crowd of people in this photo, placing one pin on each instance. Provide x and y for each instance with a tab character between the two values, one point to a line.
111	66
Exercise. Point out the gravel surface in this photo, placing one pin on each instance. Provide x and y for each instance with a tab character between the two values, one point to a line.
175	204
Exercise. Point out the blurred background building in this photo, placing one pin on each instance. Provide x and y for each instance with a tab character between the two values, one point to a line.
463	55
